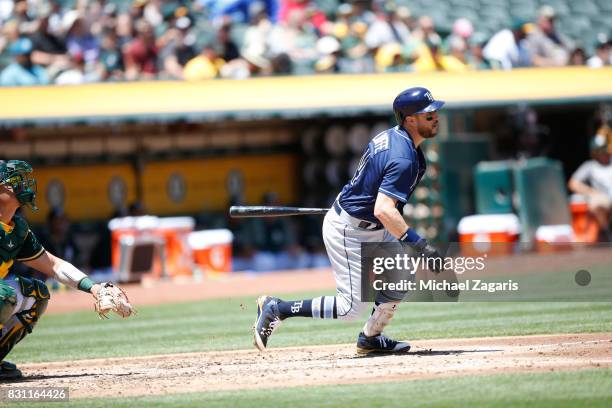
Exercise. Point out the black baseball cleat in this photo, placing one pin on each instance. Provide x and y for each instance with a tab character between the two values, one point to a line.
9	371
267	320
380	344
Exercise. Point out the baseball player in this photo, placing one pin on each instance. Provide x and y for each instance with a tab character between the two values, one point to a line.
369	209
23	300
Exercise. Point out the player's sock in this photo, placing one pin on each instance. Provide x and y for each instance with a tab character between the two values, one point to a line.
293	308
323	307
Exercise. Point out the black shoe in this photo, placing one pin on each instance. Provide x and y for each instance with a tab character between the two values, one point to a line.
9	371
380	344
267	321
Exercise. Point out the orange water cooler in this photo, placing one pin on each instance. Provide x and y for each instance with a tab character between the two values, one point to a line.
584	224
212	250
553	238
152	247
491	234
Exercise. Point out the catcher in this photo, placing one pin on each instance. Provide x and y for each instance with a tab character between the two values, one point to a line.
23	300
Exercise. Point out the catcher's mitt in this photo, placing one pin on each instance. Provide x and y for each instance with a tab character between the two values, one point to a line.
112	298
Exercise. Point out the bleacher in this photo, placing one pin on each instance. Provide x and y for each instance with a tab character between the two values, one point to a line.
582	21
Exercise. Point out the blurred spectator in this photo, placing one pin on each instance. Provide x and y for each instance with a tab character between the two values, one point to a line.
577	57
394	58
6	10
228	48
178	49
602	53
22	72
458	41
125	29
307	8
155	39
256	36
593	179
476	59
431	58
204	66
250	64
548	48
297	38
507	49
24	16
357	56
387	28
8	35
281	64
76	74
152	12
240	11
140	55
328	48
49	50
111	58
425	31
79	39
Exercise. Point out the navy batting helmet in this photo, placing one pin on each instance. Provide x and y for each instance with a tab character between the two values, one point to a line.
414	100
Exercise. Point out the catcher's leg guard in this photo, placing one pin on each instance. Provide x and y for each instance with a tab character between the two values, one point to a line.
32	299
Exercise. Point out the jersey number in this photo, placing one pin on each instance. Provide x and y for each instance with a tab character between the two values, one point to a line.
381	143
361	166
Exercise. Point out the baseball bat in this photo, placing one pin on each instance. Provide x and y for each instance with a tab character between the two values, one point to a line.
245	211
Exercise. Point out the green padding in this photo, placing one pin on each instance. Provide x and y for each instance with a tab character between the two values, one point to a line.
457	161
8	298
493	185
542	195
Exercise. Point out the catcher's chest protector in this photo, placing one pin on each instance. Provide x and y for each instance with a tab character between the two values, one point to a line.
11	243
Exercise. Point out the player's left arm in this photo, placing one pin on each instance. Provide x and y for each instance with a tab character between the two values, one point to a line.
34	255
107	297
398	174
387	213
64	272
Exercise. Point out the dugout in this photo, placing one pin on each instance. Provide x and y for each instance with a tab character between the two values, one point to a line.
190	148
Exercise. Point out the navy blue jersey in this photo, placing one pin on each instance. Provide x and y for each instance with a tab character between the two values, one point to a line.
391	165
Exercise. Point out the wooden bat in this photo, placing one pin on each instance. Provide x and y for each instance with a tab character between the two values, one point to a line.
245	211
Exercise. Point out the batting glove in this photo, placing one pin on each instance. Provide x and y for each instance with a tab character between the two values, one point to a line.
433	259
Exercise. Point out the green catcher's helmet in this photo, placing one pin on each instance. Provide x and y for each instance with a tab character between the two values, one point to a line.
18	175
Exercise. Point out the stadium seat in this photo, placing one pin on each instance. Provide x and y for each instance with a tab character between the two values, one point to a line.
496	3
586	7
465	13
604	5
329	7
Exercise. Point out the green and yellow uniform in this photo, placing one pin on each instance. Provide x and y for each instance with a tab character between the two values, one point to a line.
17	243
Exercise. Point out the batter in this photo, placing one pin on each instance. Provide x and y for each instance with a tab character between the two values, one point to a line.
368	209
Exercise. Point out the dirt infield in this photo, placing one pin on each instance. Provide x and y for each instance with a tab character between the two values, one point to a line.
306	366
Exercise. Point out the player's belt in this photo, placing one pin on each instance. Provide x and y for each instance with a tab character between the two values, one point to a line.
355	222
